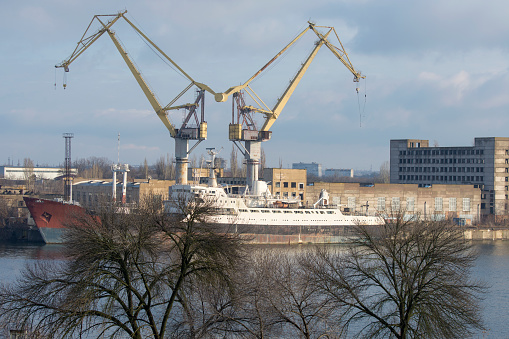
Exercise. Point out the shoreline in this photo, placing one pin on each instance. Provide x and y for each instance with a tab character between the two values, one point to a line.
487	234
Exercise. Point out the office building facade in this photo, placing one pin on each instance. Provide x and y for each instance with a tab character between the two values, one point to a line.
485	165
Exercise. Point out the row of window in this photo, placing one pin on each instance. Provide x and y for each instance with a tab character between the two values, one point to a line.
442	161
292	185
262	210
396	205
89	198
444	169
285	195
410	204
443	152
462	178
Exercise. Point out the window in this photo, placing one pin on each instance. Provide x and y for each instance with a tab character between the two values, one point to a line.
466	204
294	185
381	204
285	184
395	204
336	201
438	204
452	204
301	186
410	202
351	203
278	184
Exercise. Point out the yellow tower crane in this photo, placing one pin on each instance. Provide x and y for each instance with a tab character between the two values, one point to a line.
181	135
242	127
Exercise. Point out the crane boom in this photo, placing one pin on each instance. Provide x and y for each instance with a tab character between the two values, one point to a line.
271	115
271	119
243	127
181	135
221	97
144	87
86	41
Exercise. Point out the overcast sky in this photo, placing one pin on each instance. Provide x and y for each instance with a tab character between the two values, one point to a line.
435	70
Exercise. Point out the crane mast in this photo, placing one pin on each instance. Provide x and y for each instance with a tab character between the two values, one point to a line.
181	135
242	127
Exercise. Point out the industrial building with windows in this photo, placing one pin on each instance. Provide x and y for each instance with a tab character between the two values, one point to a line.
485	165
438	202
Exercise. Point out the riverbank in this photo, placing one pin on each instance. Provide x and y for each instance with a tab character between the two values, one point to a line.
487	234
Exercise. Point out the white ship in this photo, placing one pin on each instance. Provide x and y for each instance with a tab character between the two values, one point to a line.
267	219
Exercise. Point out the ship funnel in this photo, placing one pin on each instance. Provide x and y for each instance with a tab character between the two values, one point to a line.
212	175
324	198
260	188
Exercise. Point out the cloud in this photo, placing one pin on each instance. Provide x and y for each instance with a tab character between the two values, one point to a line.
432	67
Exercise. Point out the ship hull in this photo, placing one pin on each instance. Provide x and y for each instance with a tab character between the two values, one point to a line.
51	216
290	234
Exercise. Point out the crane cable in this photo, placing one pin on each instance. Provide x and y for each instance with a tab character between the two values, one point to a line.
152	48
361	113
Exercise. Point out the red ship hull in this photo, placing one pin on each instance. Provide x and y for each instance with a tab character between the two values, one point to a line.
51	216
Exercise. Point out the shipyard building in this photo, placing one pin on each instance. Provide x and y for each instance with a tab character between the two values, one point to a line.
21	173
484	166
435	202
313	168
91	193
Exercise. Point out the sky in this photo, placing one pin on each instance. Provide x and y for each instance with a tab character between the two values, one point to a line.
435	70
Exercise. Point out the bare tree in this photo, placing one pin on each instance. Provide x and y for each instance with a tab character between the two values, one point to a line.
271	297
403	279
234	166
170	167
93	167
28	173
160	168
145	168
126	274
385	174
294	305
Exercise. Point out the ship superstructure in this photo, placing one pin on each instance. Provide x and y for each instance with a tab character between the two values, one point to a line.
268	219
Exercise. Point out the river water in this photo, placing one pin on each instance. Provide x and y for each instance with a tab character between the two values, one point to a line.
492	266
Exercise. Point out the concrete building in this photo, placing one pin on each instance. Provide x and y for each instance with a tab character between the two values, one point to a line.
435	202
93	192
485	165
231	181
201	175
286	183
20	173
338	172
312	168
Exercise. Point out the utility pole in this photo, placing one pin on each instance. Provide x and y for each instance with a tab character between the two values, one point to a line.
67	167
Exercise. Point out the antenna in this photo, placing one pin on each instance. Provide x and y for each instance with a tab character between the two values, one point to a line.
118	149
67	167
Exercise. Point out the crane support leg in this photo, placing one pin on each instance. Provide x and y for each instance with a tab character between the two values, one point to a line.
181	160
252	156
